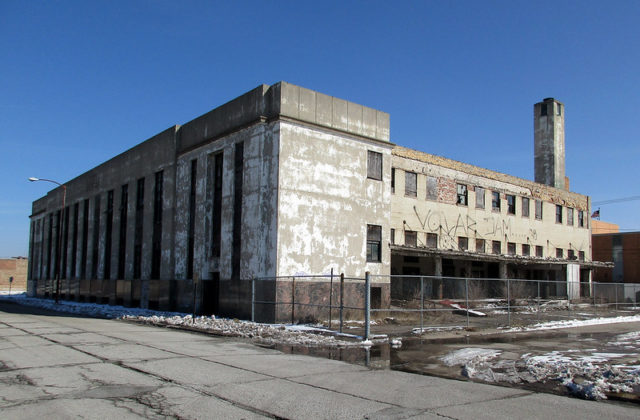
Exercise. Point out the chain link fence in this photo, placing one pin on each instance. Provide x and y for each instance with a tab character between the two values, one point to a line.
400	304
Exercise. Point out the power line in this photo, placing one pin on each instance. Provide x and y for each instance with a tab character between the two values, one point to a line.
616	200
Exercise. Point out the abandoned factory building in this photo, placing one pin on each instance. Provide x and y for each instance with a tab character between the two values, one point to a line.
285	181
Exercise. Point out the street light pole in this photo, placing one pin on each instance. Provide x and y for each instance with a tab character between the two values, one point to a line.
60	225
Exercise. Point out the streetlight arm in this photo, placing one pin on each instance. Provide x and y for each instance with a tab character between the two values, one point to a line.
33	179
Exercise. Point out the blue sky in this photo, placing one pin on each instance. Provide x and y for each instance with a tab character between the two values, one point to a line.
82	81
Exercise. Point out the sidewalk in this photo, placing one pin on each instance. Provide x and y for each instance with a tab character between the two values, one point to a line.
60	366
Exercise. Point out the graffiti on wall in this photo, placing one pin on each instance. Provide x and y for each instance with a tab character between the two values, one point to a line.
450	226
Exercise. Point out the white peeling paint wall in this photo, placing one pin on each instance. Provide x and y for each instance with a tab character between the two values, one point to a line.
325	202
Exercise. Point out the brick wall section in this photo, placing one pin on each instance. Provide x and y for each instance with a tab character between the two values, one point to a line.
539	191
447	191
16	268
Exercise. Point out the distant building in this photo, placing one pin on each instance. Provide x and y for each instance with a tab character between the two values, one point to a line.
15	268
286	181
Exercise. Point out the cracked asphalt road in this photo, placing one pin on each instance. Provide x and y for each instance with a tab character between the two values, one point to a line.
53	365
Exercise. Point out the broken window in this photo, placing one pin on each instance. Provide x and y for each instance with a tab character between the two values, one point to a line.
580	218
538	209
511	204
526	250
543	110
410	184
559	253
462	194
479	197
496	247
539	251
374	239
571	254
480	246
525	207
581	255
432	188
511	248
432	240
558	213
569	216
374	165
410	238
393	180
495	201
558	109
463	243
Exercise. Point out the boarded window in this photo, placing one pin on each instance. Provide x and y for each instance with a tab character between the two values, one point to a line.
480	246
106	273
374	239
374	165
539	251
511	204
479	197
569	216
462	194
558	213
495	201
432	188
156	238
393	180
525	207
410	238
432	240
580	218
526	250
559	253
538	209
410	184
511	248
496	247
463	243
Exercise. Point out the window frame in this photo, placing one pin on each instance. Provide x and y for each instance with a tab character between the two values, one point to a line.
495	201
483	248
526	208
480	198
432	193
540	204
410	193
462	194
558	214
374	171
374	244
463	243
511	206
496	246
411	234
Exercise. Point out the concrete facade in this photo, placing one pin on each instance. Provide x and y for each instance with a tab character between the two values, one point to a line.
548	129
285	181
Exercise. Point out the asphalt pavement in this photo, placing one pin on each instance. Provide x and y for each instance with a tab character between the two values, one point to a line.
53	365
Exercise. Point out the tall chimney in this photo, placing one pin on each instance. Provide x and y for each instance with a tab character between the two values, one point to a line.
548	138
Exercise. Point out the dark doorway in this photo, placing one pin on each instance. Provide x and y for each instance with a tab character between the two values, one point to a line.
376	297
210	295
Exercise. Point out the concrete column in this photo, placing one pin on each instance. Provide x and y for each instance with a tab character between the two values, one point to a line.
503	270
437	271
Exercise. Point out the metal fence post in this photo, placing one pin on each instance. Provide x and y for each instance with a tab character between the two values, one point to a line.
595	305
538	299
508	304
466	292
367	305
330	297
253	300
293	299
341	301
421	305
